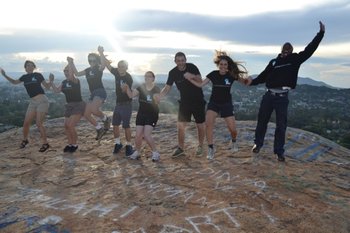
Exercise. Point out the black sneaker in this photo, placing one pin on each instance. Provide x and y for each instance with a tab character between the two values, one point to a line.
100	133
281	158
256	149
128	150
67	148
178	152
73	148
107	124
117	148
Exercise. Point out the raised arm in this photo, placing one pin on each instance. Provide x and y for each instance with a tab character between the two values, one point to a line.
72	66
54	87
47	85
11	80
104	61
312	46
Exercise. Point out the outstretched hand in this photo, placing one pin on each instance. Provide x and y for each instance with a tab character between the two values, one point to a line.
322	27
70	60
100	49
51	77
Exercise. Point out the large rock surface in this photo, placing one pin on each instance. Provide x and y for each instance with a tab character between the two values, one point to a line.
94	190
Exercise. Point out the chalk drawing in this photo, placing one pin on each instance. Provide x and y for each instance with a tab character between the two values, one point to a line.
174	229
52	219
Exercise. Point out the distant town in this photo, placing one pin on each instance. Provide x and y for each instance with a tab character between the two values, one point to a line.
317	108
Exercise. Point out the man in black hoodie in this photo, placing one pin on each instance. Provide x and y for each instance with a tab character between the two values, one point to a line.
280	76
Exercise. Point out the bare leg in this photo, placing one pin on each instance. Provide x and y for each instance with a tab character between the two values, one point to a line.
128	134
231	124
73	120
209	122
181	128
27	122
139	137
40	118
148	137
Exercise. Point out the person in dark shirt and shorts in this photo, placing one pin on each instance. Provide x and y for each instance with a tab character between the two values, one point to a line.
147	114
98	93
220	102
123	109
38	104
75	106
191	101
280	76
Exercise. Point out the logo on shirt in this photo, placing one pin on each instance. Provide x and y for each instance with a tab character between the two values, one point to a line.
91	73
227	82
149	98
34	80
68	85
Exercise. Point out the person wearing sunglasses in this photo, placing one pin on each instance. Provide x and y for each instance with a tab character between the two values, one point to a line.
98	93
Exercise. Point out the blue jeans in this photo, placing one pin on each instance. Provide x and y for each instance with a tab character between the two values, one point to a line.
279	103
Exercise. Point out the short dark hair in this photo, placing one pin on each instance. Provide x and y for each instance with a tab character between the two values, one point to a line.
96	56
180	54
29	62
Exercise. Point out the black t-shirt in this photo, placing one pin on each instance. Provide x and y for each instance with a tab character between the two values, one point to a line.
94	78
221	92
71	90
189	93
122	97
32	83
146	99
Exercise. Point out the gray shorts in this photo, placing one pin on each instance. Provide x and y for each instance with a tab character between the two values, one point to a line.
122	113
39	103
74	108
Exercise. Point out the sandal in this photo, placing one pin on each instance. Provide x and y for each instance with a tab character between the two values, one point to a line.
23	143
44	147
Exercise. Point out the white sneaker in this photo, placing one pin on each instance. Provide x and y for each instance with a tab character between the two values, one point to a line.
234	147
135	155
155	156
211	153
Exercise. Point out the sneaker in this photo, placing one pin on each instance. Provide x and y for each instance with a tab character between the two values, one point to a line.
24	143
128	150
178	152
234	147
117	148
73	148
281	158
256	149
199	151
155	156
211	153
134	155
100	133
107	124
44	147
67	148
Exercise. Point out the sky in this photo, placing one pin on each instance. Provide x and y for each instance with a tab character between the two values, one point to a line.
148	33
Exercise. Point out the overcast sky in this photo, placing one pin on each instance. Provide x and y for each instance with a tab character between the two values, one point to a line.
148	33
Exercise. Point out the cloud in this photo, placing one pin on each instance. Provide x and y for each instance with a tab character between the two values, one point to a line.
262	29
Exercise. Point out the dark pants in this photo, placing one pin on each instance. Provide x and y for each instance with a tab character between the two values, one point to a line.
270	102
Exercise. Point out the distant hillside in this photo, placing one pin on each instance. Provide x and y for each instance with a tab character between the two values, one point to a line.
308	81
312	82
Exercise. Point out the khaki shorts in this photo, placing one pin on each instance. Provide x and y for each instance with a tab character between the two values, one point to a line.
74	108
39	103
